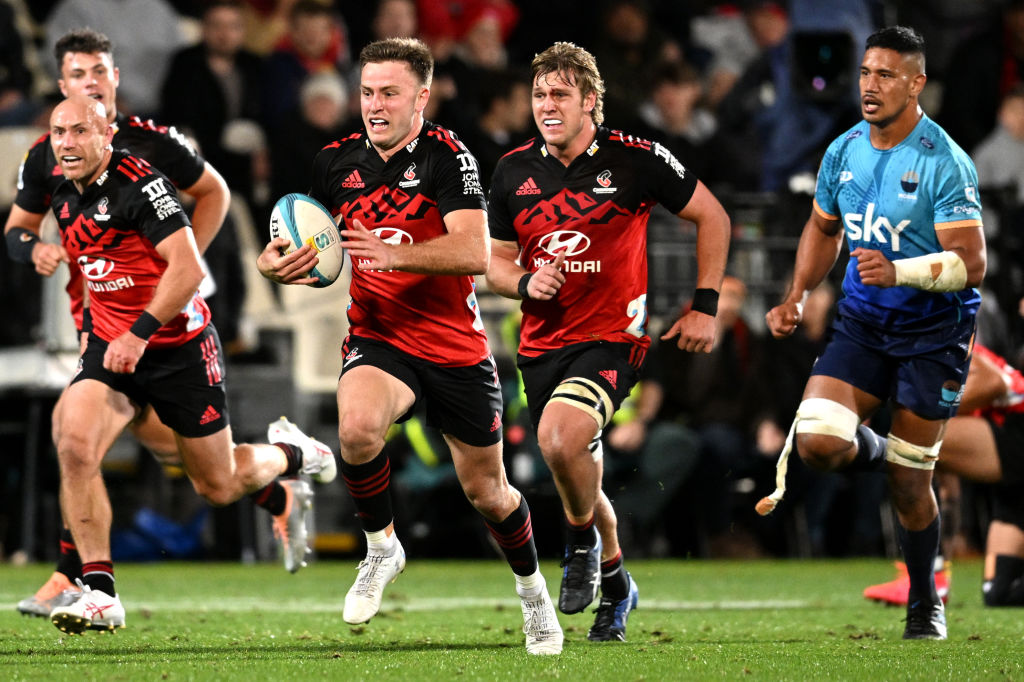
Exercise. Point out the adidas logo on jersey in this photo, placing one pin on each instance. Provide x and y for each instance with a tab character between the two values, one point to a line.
354	181
528	187
64	212
611	376
496	424
209	415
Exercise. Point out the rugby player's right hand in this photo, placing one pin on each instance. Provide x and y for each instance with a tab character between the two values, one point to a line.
783	319
287	269
48	257
547	280
123	353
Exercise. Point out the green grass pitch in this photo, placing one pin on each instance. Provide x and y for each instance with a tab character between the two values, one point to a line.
768	620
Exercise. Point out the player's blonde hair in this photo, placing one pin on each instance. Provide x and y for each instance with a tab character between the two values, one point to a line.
575	65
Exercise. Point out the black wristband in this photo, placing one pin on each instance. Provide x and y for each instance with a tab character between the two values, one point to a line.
524	282
86	321
145	326
20	243
705	301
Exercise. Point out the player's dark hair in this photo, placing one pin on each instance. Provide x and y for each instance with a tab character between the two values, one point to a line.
576	64
412	51
84	40
902	39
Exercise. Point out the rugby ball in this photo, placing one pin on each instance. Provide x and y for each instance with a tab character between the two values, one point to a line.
303	220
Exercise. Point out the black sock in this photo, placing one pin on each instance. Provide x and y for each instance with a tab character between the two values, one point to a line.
294	457
99	575
1007	587
68	561
614	579
515	537
870	451
368	484
920	547
273	498
584	535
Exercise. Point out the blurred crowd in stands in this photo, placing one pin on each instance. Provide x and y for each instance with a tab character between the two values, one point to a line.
746	93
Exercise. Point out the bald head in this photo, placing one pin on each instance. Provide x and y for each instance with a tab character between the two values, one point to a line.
80	136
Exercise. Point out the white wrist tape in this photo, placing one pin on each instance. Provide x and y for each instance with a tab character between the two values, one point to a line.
943	271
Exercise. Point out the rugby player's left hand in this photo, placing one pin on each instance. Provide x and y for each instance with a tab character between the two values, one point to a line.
123	354
367	250
874	268
696	332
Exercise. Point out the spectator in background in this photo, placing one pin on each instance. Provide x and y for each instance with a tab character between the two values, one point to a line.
505	119
674	117
16	105
800	91
981	71
627	45
395	19
476	56
723	47
213	90
1000	156
316	42
146	32
321	119
266	23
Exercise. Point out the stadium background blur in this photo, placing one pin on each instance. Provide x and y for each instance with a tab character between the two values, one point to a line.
747	94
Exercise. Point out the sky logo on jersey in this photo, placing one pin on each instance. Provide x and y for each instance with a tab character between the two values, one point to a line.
604	178
353	181
866	227
528	187
96	268
410	177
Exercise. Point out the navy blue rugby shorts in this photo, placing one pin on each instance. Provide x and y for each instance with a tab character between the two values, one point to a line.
924	373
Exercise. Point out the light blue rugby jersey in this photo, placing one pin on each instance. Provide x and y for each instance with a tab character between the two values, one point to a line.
894	200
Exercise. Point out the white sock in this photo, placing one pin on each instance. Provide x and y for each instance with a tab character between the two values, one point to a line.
529	586
380	541
940	563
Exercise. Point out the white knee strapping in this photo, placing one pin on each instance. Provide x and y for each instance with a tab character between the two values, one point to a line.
826	417
899	451
815	415
596	447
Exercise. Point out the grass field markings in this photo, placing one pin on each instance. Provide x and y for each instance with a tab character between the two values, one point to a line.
425	604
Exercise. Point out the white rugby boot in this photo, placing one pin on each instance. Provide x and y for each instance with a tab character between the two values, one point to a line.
317	459
375	571
540	624
93	610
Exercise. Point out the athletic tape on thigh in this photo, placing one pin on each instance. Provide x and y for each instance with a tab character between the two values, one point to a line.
826	417
596	447
899	451
588	396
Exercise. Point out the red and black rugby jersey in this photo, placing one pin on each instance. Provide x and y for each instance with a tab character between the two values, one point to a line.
404	200
110	231
596	211
163	146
